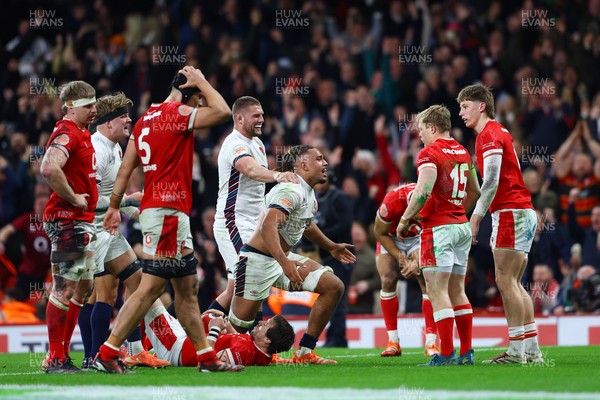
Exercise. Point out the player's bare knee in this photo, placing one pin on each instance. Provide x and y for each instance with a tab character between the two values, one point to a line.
389	282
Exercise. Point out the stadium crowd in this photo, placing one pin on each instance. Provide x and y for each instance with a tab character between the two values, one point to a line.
347	78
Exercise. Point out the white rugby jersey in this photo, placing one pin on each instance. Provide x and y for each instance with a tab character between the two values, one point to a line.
298	202
240	198
108	161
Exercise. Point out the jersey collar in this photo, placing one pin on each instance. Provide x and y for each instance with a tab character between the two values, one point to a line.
239	134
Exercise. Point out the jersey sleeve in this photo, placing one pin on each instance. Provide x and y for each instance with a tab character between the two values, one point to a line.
490	144
65	141
386	212
426	158
183	117
236	151
284	198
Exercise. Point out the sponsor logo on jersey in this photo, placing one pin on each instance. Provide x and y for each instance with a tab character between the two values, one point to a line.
454	152
383	211
151	167
487	145
285	202
240	150
185	110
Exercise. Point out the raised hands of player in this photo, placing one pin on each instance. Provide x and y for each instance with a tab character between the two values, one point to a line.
219	322
112	219
80	201
194	76
286	177
290	269
341	252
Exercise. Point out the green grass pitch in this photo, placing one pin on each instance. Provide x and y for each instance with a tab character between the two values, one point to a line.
568	372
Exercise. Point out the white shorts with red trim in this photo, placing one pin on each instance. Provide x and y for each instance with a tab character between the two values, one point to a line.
446	247
166	335
166	232
406	246
513	229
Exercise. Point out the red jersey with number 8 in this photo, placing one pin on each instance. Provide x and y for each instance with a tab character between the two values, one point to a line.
511	193
452	162
165	145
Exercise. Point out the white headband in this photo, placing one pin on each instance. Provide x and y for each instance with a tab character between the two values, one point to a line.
80	102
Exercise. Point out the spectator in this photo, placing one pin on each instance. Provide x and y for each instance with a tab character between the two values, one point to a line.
364	281
14	310
544	289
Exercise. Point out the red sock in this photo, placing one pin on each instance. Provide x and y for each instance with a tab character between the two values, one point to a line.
445	327
108	353
389	308
55	318
70	322
208	355
463	315
427	309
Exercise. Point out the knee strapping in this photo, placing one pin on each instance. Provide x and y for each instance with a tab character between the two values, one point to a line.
312	279
238	322
129	270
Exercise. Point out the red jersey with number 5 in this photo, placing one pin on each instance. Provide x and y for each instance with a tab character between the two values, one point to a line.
452	162
80	171
511	193
165	145
393	206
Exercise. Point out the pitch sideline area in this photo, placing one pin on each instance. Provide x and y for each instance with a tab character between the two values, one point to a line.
258	393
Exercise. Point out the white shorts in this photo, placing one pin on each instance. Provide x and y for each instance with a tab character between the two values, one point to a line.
68	237
230	243
257	272
166	335
108	247
513	229
446	247
166	232
406	246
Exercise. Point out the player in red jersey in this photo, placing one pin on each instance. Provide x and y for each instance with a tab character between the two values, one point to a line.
163	142
514	220
69	167
446	187
257	347
392	254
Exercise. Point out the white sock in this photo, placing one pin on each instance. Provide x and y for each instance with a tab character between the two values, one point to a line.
430	339
516	334
134	348
530	343
393	336
303	350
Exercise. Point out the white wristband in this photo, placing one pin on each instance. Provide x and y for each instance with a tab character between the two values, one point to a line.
276	176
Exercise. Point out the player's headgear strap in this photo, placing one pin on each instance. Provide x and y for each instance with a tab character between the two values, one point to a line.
187	93
80	102
112	115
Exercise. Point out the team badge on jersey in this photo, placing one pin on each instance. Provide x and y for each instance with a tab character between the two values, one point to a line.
285	202
383	211
240	150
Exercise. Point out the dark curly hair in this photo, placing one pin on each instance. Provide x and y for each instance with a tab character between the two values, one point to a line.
291	157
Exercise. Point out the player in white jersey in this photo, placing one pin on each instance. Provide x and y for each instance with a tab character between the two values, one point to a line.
114	258
265	260
242	175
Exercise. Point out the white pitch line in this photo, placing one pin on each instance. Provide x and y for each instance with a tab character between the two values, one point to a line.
48	392
22	373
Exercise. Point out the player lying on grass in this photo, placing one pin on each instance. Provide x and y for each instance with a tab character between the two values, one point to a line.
395	256
171	343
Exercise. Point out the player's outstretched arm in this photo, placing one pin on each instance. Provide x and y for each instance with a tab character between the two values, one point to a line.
253	170
422	192
339	251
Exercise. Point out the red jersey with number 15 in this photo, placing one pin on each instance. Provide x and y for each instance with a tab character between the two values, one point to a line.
452	162
165	145
393	206
511	193
80	171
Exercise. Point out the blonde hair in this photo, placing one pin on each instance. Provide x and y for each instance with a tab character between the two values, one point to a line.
75	90
110	103
437	115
